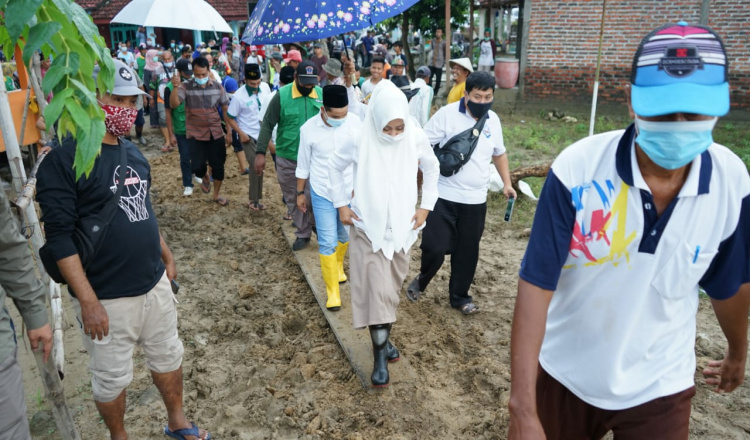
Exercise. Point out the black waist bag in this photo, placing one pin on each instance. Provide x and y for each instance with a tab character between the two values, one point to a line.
89	230
457	151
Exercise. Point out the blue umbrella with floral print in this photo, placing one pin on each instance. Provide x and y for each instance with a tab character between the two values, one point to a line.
290	21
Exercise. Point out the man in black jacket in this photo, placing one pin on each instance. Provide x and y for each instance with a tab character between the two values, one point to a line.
123	297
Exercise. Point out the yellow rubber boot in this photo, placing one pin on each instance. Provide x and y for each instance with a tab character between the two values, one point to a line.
330	269
340	254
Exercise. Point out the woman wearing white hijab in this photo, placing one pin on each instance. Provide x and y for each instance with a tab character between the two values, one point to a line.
383	212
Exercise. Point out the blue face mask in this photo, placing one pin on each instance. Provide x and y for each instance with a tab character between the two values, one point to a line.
672	145
201	81
335	123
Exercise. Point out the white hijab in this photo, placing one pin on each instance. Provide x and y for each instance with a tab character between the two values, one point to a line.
385	188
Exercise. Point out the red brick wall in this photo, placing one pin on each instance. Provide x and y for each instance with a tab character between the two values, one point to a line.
564	38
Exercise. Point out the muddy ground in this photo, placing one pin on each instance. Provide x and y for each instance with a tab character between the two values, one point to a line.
261	362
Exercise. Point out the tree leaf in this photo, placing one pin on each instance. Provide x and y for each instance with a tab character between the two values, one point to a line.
79	115
84	23
17	15
39	35
63	64
106	78
88	148
54	109
88	94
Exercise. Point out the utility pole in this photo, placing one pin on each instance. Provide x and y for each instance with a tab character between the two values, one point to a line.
448	41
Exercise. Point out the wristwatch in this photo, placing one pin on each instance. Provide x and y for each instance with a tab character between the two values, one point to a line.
299	193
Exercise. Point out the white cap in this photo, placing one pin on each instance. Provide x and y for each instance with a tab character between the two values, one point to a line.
125	82
463	62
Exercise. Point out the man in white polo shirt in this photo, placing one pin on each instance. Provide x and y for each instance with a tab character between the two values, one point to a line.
244	111
629	225
457	223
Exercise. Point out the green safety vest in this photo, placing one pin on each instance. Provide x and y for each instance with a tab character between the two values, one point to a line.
178	115
294	113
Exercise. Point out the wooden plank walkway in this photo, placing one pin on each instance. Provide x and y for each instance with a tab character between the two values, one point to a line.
355	343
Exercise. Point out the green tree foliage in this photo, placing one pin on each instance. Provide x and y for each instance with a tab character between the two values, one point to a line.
428	15
62	29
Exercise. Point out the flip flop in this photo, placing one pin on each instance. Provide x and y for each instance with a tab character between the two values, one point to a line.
205	187
221	201
180	434
287	216
166	149
253	206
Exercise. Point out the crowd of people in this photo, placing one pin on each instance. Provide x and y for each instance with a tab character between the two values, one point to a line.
618	235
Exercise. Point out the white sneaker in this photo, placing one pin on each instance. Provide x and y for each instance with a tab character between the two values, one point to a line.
197	179
188	191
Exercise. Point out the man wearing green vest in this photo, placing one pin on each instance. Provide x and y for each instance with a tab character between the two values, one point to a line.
290	108
176	126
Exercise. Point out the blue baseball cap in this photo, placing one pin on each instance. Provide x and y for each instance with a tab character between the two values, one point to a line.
230	85
680	68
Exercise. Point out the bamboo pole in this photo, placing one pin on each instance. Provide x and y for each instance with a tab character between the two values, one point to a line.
50	377
598	67
448	44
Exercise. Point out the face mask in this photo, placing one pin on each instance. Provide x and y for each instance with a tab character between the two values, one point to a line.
201	81
486	38
391	139
672	145
180	46
124	49
160	52
252	90
169	65
304	91
478	110
171	45
156	59
118	120
335	123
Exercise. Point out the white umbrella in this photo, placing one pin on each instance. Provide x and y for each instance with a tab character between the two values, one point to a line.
180	14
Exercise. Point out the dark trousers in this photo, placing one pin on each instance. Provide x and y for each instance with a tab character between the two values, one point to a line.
455	229
437	72
564	416
183	146
214	151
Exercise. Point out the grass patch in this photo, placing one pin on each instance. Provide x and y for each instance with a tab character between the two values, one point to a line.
532	140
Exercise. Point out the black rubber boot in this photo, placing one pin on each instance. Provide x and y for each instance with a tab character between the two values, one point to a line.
392	353
379	335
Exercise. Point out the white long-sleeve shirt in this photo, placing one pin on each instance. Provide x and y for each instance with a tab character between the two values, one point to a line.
347	155
317	143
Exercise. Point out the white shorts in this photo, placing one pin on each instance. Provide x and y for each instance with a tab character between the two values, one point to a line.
149	321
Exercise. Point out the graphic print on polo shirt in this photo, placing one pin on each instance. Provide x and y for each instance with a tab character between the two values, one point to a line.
133	198
599	233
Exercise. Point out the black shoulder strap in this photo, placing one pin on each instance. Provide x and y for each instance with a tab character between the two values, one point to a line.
475	132
108	212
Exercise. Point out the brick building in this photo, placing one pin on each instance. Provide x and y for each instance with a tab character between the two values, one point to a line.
563	39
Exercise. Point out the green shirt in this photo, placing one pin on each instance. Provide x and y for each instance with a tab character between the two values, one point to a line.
290	110
18	280
141	62
178	114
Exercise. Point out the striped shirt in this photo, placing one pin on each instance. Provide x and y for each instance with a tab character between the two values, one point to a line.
201	109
